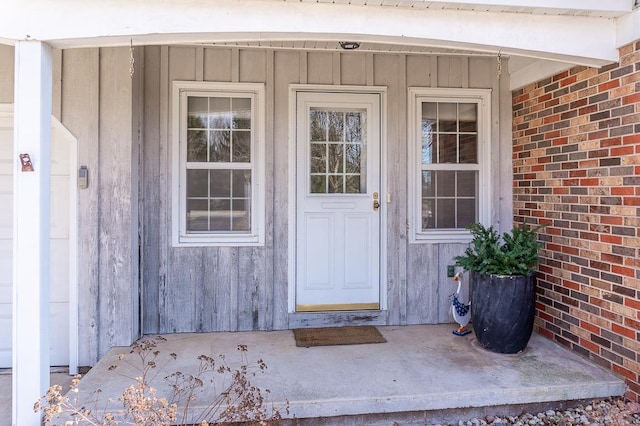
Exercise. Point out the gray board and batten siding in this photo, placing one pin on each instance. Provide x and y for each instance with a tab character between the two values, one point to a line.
97	100
123	127
246	288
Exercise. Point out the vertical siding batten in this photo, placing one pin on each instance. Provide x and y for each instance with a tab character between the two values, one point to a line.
369	71
151	212
286	72
401	186
7	72
183	264
464	69
118	259
164	178
386	71
505	181
80	114
56	107
337	71
137	190
268	290
199	63
303	67
235	65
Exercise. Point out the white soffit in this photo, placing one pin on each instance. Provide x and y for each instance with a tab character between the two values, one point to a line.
594	8
470	25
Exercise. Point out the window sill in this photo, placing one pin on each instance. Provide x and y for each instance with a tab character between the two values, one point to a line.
445	236
219	241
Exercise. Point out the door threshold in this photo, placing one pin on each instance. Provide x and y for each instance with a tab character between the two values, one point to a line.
337	318
339	307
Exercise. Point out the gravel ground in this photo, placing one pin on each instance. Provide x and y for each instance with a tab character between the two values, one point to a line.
614	412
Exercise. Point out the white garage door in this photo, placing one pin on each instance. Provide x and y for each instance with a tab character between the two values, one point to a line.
60	234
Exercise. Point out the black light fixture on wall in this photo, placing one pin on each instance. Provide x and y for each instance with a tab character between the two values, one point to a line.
349	45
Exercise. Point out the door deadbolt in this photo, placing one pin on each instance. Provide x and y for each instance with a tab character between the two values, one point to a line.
376	203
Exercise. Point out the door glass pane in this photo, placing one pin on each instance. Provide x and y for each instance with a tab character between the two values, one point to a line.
337	151
353	185
336	126
353	127
318	125
318	158
336	158
353	158
319	184
335	184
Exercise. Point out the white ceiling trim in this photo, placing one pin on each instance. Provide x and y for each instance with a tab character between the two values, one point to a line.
609	7
584	40
536	70
628	28
595	5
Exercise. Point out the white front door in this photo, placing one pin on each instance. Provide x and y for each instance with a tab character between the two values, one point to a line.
338	201
61	155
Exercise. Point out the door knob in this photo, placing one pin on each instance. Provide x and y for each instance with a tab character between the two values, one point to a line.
376	203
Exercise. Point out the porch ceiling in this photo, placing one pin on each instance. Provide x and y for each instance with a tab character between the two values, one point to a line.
540	36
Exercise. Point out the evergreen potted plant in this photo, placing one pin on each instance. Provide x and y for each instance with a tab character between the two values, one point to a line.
503	282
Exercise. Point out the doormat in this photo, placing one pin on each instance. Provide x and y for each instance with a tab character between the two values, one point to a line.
329	336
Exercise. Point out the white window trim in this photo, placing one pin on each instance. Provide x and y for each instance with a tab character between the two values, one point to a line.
181	89
416	96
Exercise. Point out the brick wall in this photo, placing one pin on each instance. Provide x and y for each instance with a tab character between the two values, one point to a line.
576	164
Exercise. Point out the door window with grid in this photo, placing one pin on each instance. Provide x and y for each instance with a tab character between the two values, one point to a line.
219	165
448	167
338	151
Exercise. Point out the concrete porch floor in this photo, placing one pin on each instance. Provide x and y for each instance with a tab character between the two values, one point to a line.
420	371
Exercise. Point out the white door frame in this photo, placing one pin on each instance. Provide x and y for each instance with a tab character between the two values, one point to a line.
6	115
385	197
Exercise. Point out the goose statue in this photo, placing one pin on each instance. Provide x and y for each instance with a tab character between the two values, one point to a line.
461	311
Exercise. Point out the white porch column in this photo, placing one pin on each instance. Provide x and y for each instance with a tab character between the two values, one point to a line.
32	135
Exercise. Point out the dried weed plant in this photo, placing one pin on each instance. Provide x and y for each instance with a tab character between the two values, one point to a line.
237	400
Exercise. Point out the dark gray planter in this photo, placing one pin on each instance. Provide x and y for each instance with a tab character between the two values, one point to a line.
503	310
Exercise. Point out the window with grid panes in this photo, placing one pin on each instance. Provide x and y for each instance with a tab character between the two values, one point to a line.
448	167
220	172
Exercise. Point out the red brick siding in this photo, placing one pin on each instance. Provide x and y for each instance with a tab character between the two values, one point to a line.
576	165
